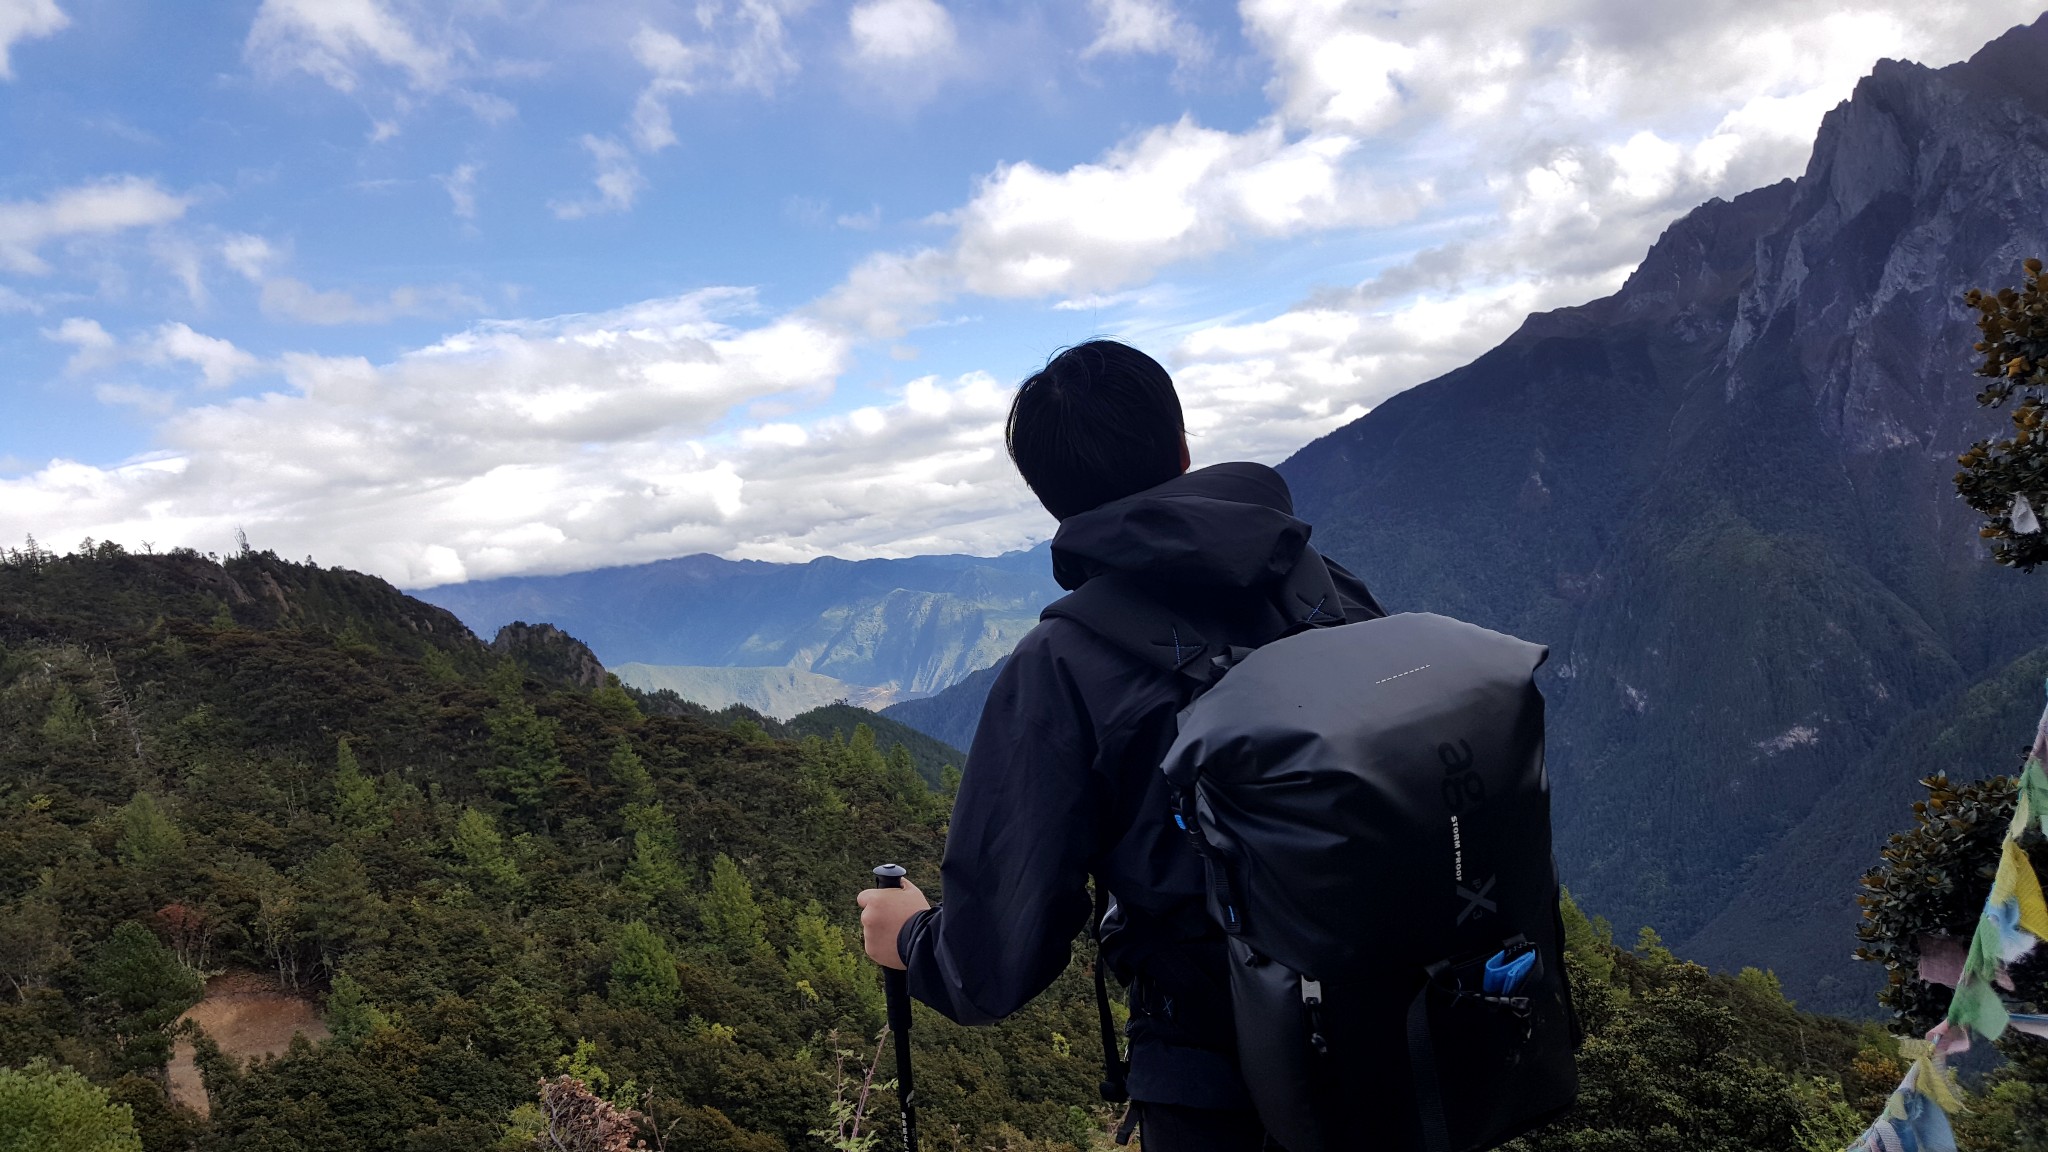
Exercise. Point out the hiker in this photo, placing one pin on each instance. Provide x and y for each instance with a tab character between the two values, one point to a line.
1063	780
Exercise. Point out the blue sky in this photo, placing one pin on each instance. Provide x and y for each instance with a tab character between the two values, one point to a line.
447	290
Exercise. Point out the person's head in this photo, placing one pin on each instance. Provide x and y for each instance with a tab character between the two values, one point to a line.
1099	422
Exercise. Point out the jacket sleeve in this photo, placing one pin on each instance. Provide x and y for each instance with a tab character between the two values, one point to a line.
1023	832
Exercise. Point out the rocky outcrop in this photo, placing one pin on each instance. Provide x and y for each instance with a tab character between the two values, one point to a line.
549	654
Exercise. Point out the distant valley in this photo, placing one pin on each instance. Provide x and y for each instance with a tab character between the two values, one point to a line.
781	638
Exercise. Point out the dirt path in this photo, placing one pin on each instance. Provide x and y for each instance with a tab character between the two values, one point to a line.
247	1016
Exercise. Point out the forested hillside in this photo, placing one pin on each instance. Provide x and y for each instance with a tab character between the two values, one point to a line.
481	870
473	865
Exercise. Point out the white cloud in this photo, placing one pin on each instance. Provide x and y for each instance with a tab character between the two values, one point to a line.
618	180
560	444
95	346
897	32
148	401
220	363
1172	193
461	188
88	209
336	39
745	45
252	256
291	299
25	20
554	444
1144	27
259	261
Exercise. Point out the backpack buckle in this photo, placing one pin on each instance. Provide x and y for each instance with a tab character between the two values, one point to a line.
1312	999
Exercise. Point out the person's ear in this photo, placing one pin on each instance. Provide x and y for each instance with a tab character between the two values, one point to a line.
1185	460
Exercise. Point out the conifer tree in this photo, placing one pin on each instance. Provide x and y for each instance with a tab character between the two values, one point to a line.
355	794
150	840
138	988
731	917
629	772
526	763
655	874
480	846
644	970
67	724
350	1015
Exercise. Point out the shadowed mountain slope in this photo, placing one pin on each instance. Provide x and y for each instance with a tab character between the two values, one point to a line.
1723	496
949	716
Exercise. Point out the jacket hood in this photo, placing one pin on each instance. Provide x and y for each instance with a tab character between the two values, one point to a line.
1225	526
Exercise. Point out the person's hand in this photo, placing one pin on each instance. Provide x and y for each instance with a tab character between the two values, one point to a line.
882	913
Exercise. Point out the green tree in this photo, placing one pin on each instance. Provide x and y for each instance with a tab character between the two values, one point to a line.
520	1030
44	1108
31	943
138	988
615	702
355	794
525	761
629	772
655	874
149	840
67	724
341	907
732	919
482	848
1665	1075
2007	480
350	1015
643	970
1933	883
822	961
1590	943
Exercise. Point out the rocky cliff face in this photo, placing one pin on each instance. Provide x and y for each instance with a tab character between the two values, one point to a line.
550	654
1723	497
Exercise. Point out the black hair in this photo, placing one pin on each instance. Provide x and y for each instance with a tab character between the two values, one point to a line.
1099	422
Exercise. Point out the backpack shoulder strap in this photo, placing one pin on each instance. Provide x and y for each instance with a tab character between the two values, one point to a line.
1116	1071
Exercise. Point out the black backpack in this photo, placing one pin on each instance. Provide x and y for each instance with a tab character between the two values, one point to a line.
1371	806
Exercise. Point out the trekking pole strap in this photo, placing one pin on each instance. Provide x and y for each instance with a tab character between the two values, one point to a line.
1429	1093
1115	1084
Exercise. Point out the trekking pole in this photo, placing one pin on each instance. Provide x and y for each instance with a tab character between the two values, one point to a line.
896	986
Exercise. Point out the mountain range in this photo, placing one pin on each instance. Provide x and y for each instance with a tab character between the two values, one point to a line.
780	638
1722	496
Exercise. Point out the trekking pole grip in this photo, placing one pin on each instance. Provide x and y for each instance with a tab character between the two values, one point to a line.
896	987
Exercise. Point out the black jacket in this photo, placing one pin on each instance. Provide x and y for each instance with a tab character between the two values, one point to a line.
1063	779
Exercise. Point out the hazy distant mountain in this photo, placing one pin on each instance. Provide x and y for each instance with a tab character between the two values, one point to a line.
949	716
778	692
877	629
1723	496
